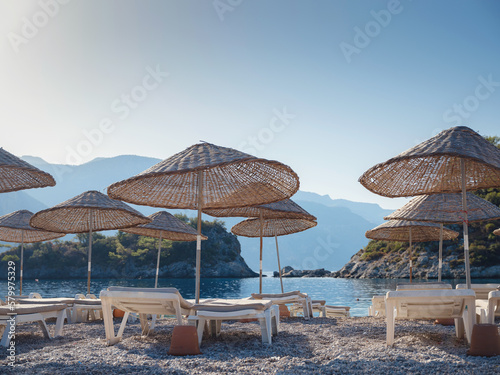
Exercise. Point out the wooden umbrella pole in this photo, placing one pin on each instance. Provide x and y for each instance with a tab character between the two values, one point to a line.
198	237
465	225
158	262
90	251
22	261
440	265
411	263
279	265
261	244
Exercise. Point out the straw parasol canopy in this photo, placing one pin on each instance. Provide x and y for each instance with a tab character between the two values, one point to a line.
434	167
15	227
164	225
208	176
445	209
285	208
272	227
88	212
16	174
231	179
497	232
410	231
456	160
399	230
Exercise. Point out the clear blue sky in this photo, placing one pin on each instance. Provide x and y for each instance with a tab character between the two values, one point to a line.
327	87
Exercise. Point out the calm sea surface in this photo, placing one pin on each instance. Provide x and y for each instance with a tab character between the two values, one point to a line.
356	293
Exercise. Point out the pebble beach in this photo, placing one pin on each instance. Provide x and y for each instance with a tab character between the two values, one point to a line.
353	345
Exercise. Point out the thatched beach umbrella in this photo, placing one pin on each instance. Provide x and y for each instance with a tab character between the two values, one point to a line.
445	209
497	232
15	227
272	227
410	231
282	209
454	161
164	225
88	212
208	176
16	174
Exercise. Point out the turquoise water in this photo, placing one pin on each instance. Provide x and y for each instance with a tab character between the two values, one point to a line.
356	293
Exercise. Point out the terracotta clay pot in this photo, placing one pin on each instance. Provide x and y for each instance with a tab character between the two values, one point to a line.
184	341
485	341
284	312
117	313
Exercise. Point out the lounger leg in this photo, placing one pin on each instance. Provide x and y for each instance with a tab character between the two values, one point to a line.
275	319
459	326
469	318
144	324
390	322
178	312
200	329
153	321
265	327
491	312
5	337
61	315
107	315
44	328
122	325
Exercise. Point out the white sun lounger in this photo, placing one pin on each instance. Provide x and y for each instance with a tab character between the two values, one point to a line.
378	302
36	298
482	291
423	286
213	312
142	301
294	297
378	306
31	313
86	308
491	308
431	304
323	309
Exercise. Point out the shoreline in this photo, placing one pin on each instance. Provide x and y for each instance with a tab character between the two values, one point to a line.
319	345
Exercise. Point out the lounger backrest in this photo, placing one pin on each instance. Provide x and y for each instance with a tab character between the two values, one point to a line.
430	304
184	304
481	290
229	305
423	286
277	295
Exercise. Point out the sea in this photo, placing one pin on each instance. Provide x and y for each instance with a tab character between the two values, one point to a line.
356	293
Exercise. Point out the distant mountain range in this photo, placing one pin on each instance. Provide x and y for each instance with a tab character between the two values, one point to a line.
338	235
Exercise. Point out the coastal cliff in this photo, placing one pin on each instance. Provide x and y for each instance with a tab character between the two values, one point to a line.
131	256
